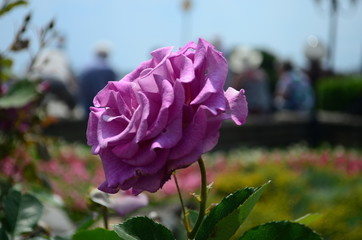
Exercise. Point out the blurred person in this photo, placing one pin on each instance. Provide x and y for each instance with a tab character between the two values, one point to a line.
51	66
246	73
293	90
95	76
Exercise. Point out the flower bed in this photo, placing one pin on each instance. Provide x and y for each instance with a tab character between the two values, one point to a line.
324	181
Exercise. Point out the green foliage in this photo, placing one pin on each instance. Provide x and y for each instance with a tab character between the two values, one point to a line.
88	221
19	95
280	230
339	93
11	5
269	66
325	182
224	222
142	228
3	235
21	213
226	218
95	234
5	68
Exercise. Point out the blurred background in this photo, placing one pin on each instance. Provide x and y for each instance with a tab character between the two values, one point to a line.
300	63
293	58
134	28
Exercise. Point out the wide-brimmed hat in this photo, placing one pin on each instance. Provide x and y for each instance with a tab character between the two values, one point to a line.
244	58
103	47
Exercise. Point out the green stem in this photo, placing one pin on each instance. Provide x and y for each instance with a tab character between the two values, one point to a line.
105	216
202	200
186	218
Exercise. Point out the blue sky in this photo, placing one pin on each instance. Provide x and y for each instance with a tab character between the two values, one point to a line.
135	27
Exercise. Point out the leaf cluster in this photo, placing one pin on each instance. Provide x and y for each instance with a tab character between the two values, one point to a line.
222	223
20	214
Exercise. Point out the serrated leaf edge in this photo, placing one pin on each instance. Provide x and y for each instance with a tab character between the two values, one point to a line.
255	190
284	221
117	226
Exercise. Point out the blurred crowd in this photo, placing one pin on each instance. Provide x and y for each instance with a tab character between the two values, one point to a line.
71	95
270	85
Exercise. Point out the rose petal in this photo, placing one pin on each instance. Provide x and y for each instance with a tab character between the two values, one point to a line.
186	160
144	156
108	132
145	109
136	73
192	136
92	127
167	93
183	67
178	103
127	150
150	183
187	47
116	174
238	105
211	134
214	69
170	136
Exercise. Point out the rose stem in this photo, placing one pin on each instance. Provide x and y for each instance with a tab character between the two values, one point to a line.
202	200
105	216
186	218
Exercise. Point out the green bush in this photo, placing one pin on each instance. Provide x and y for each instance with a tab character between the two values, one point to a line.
339	93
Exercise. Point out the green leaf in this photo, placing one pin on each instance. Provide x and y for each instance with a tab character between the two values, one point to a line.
20	94
95	234
193	216
226	218
142	228
10	6
22	212
280	230
88	222
59	238
309	218
5	62
3	235
4	189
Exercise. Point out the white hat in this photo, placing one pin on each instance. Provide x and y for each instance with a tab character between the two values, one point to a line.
243	58
103	47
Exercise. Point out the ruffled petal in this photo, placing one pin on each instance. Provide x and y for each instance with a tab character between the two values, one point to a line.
167	94
211	134
170	136
144	156
238	106
145	109
192	135
116	174
126	150
108	132
183	68
92	129
213	68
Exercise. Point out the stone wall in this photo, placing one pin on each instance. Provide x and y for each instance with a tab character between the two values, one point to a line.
272	130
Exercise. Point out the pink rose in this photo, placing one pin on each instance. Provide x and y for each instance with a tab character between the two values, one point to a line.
162	116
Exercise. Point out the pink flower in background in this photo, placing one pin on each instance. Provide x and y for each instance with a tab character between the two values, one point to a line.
162	116
9	168
188	180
